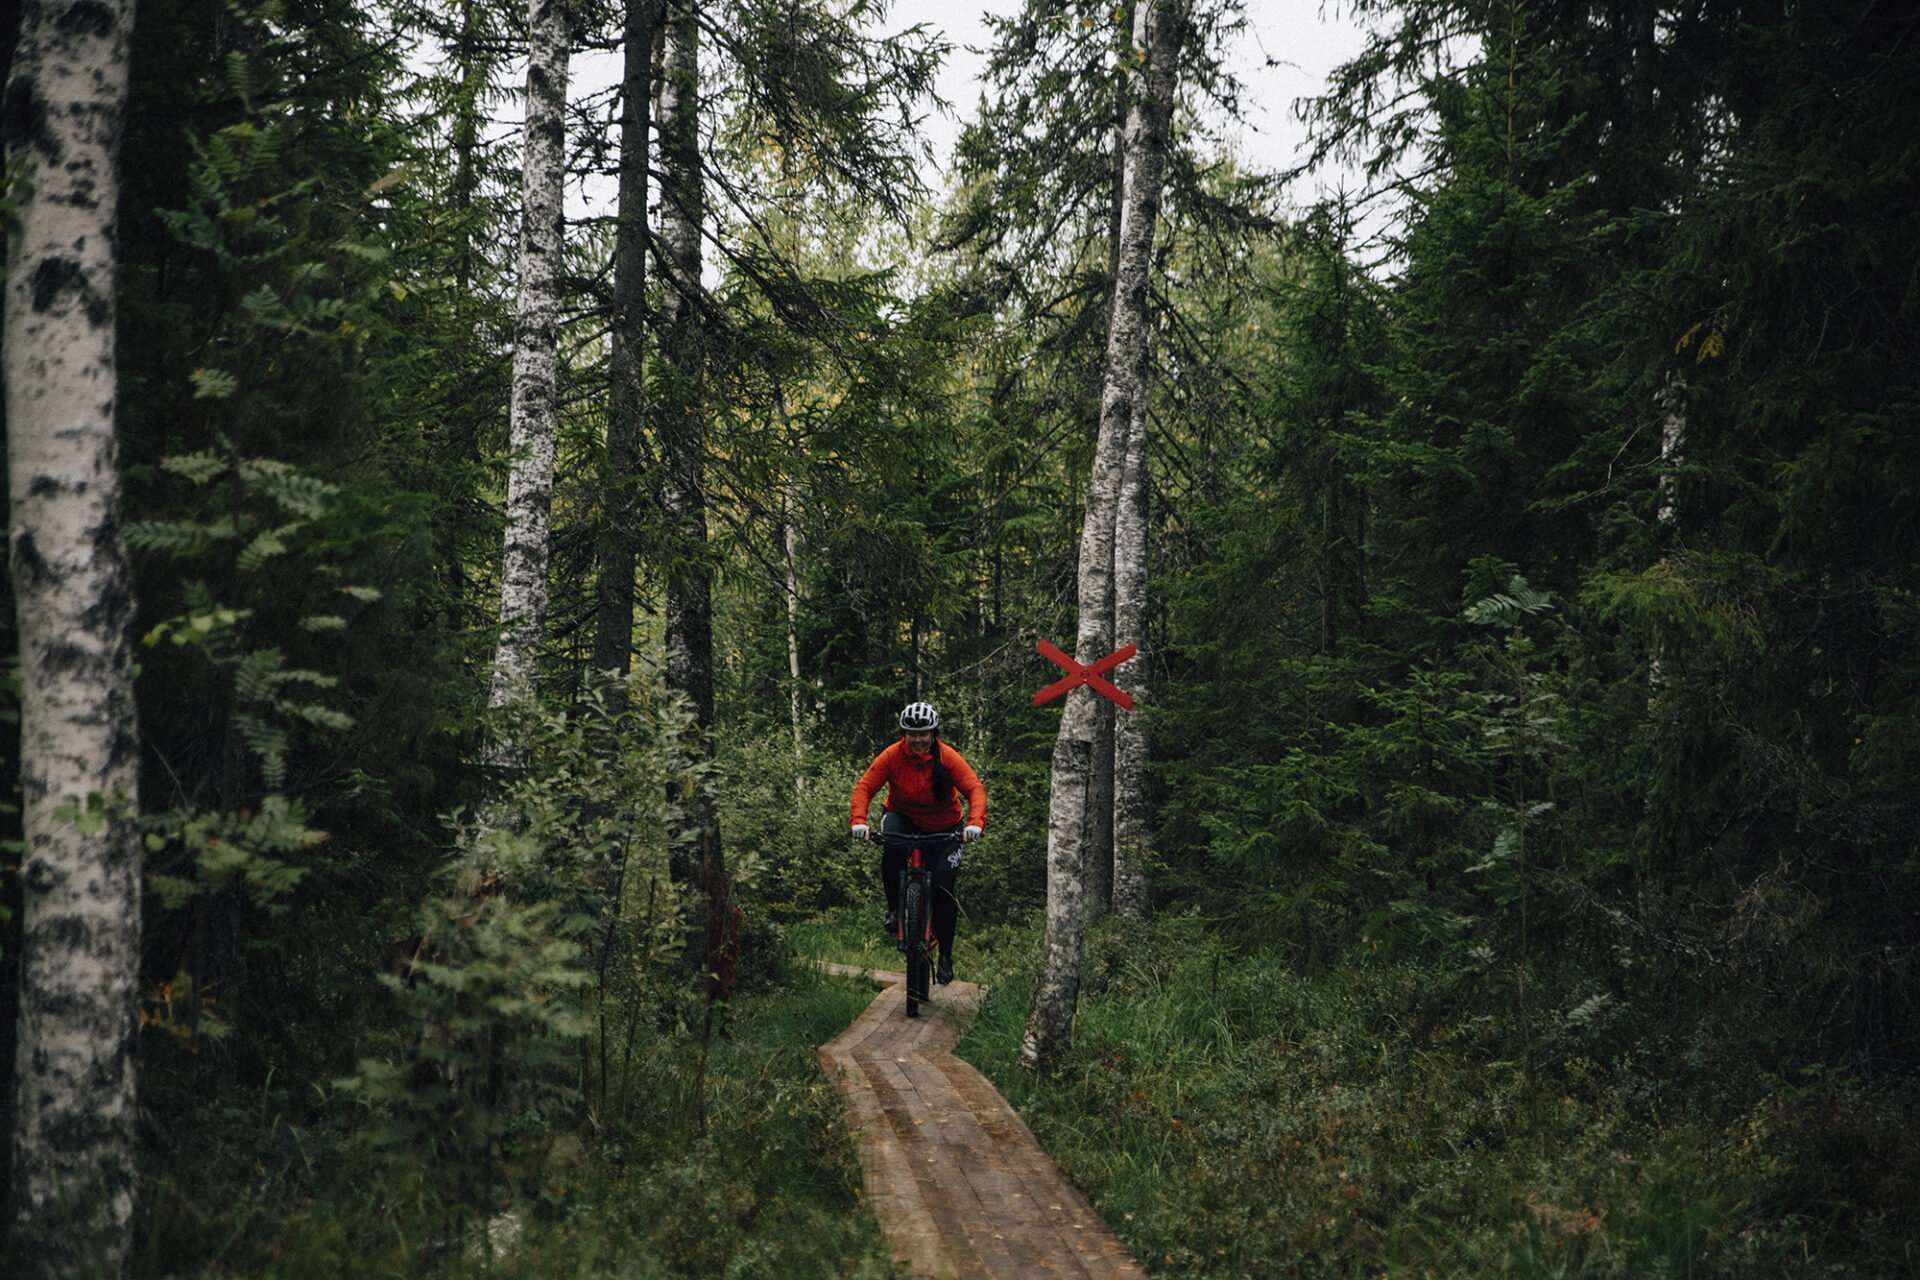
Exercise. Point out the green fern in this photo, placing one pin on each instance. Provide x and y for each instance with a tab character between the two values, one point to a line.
194	467
179	537
293	490
1510	608
266	544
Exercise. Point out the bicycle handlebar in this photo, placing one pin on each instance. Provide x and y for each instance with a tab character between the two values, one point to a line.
907	837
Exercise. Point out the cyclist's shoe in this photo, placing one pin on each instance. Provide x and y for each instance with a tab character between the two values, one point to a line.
892	926
946	971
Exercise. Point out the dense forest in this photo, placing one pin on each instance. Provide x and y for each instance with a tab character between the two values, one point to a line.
468	528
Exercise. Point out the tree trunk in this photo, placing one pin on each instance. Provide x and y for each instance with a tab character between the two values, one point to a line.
1132	816
620	479
1100	849
535	404
1671	403
683	437
1157	30
475	69
1673	430
790	539
73	1105
1100	798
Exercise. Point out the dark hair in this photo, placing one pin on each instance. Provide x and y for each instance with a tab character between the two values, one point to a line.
942	776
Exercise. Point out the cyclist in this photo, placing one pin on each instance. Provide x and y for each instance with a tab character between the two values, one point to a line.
925	780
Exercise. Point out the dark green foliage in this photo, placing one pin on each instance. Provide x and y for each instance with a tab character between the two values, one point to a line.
769	1190
1536	704
543	959
282	493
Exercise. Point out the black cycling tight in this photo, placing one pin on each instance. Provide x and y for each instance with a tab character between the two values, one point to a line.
893	860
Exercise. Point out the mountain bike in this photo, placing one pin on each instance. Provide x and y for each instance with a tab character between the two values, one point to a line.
913	929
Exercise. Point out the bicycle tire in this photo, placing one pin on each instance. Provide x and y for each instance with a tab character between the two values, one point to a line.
913	908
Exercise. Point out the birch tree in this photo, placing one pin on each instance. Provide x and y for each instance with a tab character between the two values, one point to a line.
1131	815
1102	852
792	510
1157	29
73	1104
535	402
613	631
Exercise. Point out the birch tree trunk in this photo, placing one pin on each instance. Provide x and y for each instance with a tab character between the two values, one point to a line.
1673	430
1132	816
1671	403
683	436
1099	879
535	403
619	497
1157	28
73	1104
790	513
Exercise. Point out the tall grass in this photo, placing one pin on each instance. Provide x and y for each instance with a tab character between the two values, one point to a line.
768	1189
1229	1115
1232	1117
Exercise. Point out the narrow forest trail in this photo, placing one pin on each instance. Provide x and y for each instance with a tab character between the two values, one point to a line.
953	1175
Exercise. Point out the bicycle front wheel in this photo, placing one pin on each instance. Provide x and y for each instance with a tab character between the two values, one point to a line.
913	924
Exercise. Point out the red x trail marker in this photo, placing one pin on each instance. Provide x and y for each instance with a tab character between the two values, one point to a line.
1089	676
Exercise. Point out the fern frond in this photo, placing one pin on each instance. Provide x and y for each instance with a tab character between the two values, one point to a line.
1510	608
266	544
197	468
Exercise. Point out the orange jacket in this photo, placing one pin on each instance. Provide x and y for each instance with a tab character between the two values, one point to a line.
909	782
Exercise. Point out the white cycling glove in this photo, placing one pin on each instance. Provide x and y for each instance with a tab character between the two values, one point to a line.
970	834
859	831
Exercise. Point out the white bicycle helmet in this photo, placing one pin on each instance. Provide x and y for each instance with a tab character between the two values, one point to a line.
919	717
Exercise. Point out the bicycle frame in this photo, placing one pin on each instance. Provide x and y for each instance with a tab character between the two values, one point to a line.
913	929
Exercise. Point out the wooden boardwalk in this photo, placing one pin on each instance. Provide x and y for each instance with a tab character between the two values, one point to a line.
955	1178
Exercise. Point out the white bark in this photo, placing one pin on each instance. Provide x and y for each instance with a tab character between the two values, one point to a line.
1157	28
1098	880
1099	877
1673	430
79	741
790	513
535	402
1132	819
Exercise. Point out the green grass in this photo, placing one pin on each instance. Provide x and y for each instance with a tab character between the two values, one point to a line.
769	1189
1230	1117
850	935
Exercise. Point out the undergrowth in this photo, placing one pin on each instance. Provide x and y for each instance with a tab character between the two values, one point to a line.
768	1189
1228	1114
1232	1117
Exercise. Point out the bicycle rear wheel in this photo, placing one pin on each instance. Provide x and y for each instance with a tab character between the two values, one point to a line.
913	925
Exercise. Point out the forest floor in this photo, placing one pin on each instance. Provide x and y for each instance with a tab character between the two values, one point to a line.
1226	1111
955	1179
1231	1114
